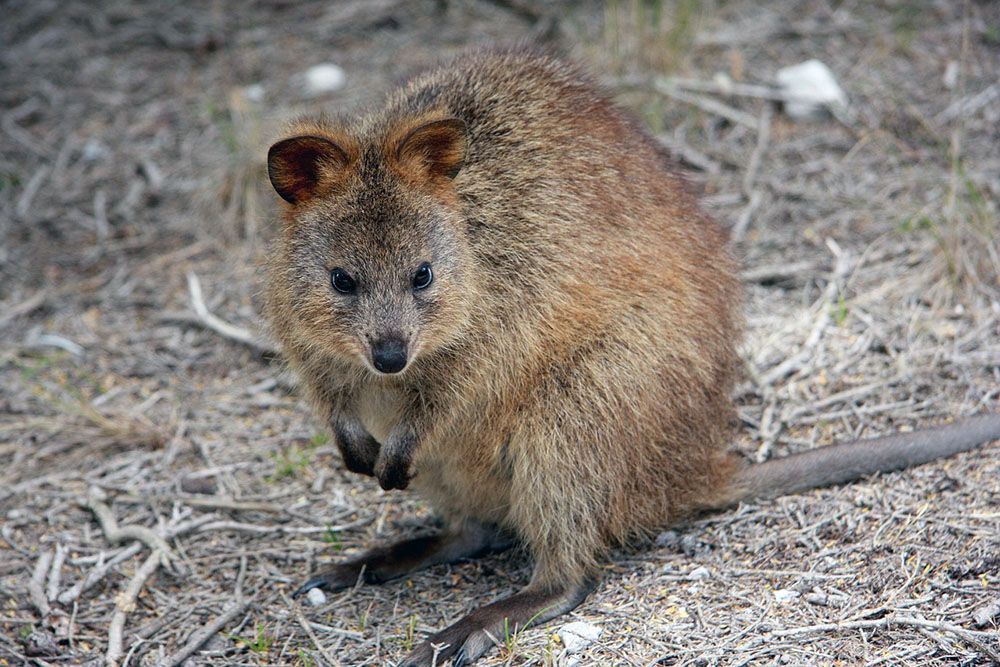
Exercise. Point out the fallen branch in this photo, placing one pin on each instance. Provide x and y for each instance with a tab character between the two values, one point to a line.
206	633
116	534
746	215
664	87
55	573
217	324
23	308
35	587
206	501
100	571
300	617
126	603
288	530
974	638
688	155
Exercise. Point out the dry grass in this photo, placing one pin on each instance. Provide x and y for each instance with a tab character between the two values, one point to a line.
131	155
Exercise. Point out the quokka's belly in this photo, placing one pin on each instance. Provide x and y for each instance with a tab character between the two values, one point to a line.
457	488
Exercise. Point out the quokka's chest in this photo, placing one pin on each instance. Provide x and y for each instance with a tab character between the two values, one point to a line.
379	409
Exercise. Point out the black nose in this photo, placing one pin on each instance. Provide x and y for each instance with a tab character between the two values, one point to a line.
389	355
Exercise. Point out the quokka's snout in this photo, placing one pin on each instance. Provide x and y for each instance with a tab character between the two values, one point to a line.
389	354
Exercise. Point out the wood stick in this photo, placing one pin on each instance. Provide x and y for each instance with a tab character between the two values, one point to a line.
217	324
665	88
237	607
125	603
35	586
115	534
55	573
972	637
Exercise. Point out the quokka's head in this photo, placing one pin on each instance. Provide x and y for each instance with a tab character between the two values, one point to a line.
372	263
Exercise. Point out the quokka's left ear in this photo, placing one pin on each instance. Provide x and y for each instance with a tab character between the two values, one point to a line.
435	149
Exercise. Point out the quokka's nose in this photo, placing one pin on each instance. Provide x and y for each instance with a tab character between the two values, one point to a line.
389	355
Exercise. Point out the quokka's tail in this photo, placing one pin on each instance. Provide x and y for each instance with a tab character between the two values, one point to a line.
838	464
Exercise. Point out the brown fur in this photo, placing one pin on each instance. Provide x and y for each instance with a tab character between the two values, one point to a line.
571	366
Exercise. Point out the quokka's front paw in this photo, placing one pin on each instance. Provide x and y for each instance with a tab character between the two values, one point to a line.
393	471
358	449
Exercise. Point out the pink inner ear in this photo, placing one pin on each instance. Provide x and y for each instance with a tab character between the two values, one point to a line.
438	146
296	166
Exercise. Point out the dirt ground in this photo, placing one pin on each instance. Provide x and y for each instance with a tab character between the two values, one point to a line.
132	142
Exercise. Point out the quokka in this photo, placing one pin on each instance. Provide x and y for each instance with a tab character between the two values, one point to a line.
498	292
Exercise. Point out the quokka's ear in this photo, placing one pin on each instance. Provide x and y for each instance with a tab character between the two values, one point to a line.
299	166
435	149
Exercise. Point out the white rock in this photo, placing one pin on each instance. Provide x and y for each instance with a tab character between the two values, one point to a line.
785	594
94	150
700	573
578	635
809	88
723	81
316	597
950	78
254	92
323	78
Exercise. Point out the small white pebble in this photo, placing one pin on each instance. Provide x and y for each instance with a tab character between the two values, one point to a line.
950	78
93	150
700	573
723	81
254	92
578	635
785	594
324	78
808	88
316	597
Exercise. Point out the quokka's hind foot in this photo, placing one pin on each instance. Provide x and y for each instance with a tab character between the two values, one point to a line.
469	540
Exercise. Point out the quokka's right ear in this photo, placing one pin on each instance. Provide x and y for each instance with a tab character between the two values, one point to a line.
300	167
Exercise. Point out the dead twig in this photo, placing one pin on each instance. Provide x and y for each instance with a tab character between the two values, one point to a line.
823	307
207	501
55	573
778	273
746	215
972	637
198	638
236	608
126	603
300	617
288	530
688	155
101	570
35	586
116	534
220	326
754	196
30	190
23	308
665	88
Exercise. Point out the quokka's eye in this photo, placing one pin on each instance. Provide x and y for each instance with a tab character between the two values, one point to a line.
342	281
423	277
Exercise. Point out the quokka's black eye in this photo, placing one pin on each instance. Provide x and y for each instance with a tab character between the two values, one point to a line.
423	277
342	281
